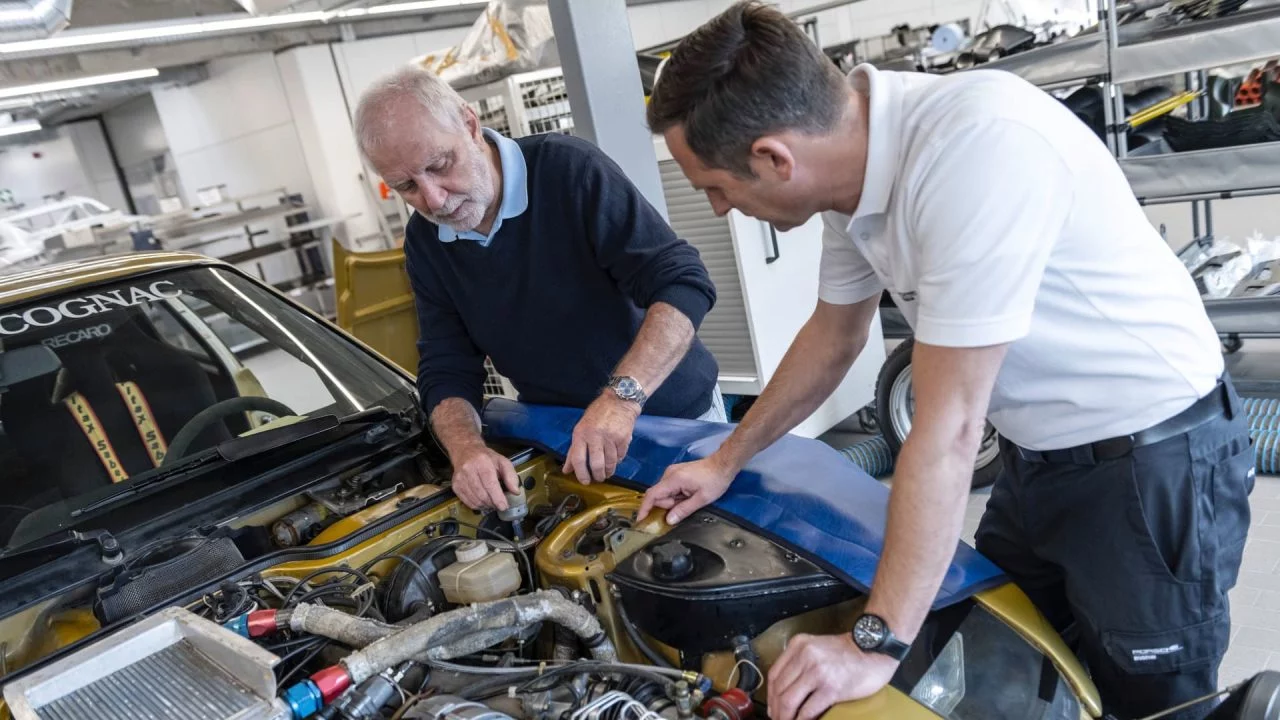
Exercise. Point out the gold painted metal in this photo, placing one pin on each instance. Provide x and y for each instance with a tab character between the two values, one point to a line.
375	302
59	278
358	521
1011	605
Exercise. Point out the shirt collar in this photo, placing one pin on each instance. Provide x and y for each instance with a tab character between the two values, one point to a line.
515	190
884	116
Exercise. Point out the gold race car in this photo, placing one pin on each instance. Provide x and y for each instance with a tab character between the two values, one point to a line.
220	505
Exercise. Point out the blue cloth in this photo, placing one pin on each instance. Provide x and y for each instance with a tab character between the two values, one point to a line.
515	191
800	493
559	294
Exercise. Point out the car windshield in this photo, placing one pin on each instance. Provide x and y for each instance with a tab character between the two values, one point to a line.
101	385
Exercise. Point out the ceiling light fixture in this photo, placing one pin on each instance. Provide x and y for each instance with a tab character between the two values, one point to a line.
21	90
79	40
409	7
24	126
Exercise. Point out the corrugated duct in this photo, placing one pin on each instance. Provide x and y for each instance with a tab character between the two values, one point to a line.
32	19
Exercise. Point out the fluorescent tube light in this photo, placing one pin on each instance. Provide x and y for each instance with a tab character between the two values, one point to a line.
24	126
408	7
90	81
78	40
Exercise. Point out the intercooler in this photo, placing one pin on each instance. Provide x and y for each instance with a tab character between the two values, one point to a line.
172	665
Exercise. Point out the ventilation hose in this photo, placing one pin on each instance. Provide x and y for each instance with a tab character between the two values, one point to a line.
489	619
1263	415
872	455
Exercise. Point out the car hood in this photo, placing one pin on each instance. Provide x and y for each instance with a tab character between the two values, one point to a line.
800	493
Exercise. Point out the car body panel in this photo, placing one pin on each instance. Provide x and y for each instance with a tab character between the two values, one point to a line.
798	491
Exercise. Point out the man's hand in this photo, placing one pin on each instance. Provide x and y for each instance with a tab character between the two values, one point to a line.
818	671
687	487
479	475
601	438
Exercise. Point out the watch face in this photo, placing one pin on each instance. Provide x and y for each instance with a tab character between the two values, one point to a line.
628	387
869	632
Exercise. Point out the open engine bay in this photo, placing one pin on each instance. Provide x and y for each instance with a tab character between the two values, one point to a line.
376	594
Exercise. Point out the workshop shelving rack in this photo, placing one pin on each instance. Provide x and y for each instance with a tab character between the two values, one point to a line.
1114	55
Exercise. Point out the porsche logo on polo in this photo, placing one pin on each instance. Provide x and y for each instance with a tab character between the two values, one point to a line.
86	306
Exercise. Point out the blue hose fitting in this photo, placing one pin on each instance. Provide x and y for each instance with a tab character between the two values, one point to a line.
238	625
304	699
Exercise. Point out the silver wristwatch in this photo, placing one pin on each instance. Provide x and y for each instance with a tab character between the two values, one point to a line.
628	388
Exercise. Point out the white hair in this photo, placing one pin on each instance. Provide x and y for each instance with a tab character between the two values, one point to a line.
410	81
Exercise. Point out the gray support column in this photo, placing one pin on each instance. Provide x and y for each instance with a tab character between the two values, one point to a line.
602	78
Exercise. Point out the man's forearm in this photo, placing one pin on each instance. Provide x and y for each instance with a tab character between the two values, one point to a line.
456	425
926	513
926	505
663	340
812	369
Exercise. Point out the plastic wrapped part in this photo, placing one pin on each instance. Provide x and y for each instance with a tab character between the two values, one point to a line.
510	37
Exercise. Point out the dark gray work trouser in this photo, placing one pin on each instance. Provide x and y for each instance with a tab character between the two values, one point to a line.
1132	557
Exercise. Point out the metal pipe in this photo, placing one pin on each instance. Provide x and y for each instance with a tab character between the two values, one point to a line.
32	19
1192	197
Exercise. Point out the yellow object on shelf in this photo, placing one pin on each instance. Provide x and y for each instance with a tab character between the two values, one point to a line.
1162	108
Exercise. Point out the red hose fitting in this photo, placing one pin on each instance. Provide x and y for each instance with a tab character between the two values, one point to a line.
732	704
262	622
332	682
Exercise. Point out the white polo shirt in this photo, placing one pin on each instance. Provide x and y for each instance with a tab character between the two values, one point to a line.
992	215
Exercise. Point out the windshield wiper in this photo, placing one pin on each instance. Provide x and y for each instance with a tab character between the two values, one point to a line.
111	552
242	448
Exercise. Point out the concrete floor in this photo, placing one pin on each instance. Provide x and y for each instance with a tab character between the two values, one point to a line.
1255	601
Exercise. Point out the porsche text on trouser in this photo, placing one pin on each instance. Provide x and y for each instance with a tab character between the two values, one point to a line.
1133	543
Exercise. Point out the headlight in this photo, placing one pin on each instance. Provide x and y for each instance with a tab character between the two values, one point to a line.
967	664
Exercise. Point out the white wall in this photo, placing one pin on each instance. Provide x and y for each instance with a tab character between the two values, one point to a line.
362	61
316	100
234	129
76	162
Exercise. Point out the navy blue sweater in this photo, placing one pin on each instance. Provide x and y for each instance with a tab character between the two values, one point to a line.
558	296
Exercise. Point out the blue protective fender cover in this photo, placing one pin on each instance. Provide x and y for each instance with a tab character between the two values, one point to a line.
800	493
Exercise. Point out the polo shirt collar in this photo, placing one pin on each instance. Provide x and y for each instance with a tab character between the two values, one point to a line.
884	114
515	190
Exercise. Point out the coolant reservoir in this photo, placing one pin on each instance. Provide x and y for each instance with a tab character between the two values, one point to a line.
479	575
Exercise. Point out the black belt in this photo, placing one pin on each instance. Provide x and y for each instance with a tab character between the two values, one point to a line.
1219	402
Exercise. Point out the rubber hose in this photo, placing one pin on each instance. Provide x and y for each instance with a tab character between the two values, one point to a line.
455	625
872	455
633	634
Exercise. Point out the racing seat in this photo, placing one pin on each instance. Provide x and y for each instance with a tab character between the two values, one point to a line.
119	383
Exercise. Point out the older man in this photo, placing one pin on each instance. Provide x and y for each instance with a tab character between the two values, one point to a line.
539	254
1040	296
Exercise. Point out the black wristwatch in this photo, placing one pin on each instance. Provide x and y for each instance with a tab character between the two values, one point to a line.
872	634
628	388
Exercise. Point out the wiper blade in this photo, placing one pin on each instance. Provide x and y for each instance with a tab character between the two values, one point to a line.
237	449
110	547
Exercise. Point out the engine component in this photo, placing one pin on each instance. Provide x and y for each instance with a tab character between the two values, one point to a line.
733	704
479	575
592	540
165	569
300	526
455	628
172	664
449	707
731	583
517	507
416	585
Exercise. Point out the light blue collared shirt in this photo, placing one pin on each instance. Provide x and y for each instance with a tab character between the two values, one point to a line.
515	191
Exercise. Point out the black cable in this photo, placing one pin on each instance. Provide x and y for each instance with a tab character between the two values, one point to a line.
288	600
284	681
633	634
